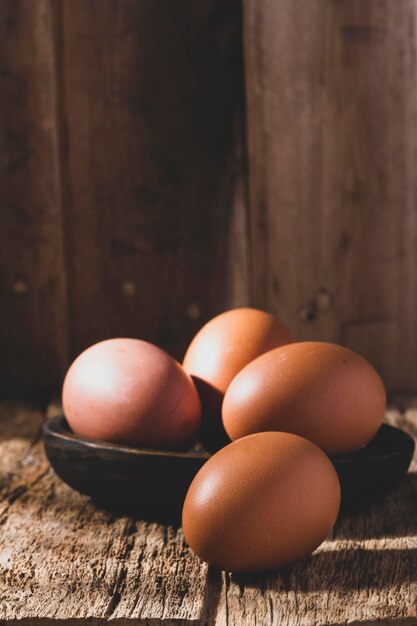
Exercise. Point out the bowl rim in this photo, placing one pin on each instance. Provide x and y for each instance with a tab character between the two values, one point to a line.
406	449
57	428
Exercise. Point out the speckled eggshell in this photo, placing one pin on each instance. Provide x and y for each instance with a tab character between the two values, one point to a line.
261	503
220	350
321	391
130	391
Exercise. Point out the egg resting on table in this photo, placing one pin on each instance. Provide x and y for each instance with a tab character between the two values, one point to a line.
261	503
130	391
321	391
220	350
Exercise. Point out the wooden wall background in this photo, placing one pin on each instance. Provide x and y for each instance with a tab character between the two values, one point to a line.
163	161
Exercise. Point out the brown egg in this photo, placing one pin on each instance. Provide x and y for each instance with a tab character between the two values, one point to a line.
261	503
321	391
220	350
129	391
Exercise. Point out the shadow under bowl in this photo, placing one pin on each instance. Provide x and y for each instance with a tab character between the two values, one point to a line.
153	483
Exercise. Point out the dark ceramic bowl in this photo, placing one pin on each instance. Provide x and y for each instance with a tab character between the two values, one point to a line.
376	469
153	483
150	483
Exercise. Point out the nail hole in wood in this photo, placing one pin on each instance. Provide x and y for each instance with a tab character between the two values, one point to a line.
128	289
193	311
307	314
324	300
20	287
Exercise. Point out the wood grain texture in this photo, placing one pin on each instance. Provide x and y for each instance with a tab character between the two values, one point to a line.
62	561
153	95
33	310
332	132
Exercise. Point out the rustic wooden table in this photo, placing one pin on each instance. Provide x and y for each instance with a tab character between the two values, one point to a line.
62	560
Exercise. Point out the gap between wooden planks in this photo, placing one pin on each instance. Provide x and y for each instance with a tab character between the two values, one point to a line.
63	561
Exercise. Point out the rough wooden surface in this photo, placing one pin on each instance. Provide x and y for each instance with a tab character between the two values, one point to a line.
332	132
61	559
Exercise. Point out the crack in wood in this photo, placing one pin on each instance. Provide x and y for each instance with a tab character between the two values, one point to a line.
116	593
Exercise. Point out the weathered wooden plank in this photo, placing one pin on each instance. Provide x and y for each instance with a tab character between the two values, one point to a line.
364	573
33	328
332	132
152	93
77	563
62	559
